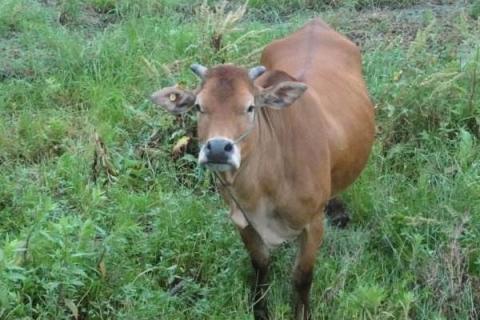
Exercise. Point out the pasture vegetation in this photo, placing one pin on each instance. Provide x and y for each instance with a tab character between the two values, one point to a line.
99	221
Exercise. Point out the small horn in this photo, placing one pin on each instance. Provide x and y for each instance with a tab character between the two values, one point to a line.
199	70
256	72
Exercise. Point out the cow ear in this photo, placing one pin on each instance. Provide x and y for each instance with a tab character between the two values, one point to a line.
174	99
281	95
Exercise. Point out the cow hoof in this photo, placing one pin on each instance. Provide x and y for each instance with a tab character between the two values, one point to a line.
337	213
340	221
302	312
261	314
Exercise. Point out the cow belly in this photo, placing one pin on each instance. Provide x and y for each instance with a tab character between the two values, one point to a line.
271	227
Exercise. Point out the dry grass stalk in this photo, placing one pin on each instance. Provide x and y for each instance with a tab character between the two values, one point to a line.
101	161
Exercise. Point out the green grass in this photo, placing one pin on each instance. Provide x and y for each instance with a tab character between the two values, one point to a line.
151	239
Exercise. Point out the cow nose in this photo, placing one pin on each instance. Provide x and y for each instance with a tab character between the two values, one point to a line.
219	150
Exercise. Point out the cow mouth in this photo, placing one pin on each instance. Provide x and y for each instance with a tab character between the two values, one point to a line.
218	166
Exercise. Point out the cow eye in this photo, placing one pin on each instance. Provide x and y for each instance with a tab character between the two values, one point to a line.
250	109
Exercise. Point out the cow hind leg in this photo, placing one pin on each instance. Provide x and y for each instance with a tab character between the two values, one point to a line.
260	260
310	241
337	213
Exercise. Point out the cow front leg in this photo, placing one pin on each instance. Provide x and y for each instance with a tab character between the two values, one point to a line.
310	241
260	260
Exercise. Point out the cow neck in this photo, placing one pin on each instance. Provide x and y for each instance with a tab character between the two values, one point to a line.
228	180
232	196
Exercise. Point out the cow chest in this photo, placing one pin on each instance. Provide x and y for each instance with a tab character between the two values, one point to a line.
271	227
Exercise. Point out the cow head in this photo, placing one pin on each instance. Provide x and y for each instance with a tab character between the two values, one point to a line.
227	103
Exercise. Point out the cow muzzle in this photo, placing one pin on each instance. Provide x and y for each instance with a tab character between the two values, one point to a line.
219	154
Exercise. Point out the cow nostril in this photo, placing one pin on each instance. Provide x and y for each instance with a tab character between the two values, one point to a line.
209	146
228	147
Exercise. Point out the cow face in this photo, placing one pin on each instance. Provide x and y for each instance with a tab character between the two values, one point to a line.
227	104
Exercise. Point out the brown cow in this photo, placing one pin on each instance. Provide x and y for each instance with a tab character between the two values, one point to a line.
284	138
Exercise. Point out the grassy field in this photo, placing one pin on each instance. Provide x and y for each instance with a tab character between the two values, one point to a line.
100	220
